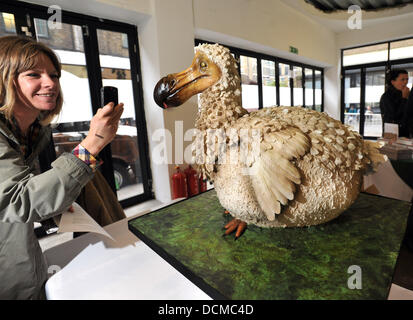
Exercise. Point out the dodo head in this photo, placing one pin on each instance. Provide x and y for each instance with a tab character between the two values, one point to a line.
174	89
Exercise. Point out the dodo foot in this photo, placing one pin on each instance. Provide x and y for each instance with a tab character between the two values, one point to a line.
235	225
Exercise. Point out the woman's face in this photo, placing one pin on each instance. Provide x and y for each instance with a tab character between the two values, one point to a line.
401	81
39	87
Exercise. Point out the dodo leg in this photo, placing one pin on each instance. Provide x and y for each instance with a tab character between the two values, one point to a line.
235	225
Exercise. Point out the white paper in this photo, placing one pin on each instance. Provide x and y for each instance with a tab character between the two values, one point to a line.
80	221
391	128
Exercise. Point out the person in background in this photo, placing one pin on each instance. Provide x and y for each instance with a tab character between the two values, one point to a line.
30	97
393	103
352	109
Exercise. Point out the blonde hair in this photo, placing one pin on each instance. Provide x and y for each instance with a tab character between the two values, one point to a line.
19	54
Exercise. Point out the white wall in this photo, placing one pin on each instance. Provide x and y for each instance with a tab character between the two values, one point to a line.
166	42
268	23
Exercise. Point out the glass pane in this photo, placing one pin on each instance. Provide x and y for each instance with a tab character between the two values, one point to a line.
375	80
72	125
367	54
318	90
115	66
285	91
401	49
352	98
7	24
249	83
298	85
309	91
269	92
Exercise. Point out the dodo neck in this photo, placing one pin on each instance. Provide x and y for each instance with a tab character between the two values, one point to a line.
219	108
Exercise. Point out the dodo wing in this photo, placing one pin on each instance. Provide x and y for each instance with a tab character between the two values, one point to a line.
274	174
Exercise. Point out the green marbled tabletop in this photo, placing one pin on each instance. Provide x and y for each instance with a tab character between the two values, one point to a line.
292	263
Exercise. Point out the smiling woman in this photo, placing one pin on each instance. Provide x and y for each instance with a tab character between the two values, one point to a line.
34	67
30	97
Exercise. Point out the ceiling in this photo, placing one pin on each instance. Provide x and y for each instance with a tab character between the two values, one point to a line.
336	20
367	5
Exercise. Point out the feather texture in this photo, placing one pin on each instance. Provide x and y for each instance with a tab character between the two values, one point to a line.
273	174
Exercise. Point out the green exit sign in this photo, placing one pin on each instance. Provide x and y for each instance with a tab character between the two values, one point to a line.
293	50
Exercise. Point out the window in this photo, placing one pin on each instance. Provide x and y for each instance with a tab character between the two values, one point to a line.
366	54
285	91
269	91
364	81
401	49
355	80
318	91
7	24
95	52
309	88
115	67
41	28
271	81
298	86
352	99
374	88
124	40
249	83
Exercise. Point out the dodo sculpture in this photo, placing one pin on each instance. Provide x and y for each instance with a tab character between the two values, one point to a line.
307	167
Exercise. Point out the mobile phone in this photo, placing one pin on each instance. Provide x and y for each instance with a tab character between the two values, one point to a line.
109	94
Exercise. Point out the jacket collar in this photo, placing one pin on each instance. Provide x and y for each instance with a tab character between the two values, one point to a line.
5	130
43	138
394	91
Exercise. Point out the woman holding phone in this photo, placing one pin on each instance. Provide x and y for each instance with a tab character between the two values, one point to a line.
30	97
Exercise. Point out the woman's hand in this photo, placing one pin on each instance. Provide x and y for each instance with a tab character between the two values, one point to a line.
405	92
103	127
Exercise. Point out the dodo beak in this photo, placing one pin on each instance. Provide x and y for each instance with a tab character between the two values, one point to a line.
174	89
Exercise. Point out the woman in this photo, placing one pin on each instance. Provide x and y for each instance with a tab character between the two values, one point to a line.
30	97
393	103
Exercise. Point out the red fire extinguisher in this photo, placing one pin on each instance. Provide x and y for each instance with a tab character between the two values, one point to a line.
192	181
179	186
202	184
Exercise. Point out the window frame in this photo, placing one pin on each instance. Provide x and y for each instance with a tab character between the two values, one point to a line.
261	56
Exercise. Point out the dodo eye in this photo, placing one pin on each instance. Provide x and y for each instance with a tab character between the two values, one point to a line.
203	64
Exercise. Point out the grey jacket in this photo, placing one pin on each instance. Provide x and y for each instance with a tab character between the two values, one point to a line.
27	197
